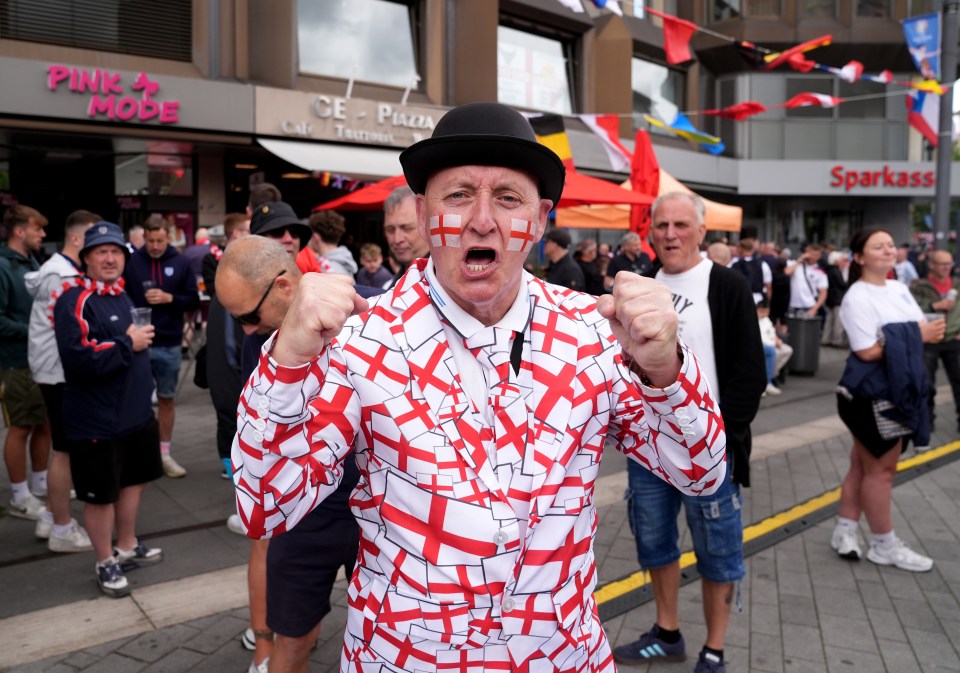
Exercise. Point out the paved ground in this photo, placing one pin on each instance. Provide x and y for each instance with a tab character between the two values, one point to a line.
803	608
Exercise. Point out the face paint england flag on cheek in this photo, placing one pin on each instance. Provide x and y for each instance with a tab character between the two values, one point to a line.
445	230
521	235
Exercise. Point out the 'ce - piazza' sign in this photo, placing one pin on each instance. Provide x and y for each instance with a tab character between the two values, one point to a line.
351	120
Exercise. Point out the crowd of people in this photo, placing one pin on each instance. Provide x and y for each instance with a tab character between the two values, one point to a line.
430	421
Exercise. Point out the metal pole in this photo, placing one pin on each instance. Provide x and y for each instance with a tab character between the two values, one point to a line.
948	73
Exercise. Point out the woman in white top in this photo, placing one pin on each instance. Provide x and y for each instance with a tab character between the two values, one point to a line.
871	302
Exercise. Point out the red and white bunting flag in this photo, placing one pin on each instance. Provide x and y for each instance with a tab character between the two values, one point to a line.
851	72
676	37
884	77
445	230
521	235
607	128
738	112
809	99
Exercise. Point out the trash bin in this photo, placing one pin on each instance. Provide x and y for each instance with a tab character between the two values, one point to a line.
803	334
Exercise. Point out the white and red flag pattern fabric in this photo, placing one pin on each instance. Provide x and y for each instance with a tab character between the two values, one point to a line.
809	99
923	114
522	233
499	576
445	230
607	128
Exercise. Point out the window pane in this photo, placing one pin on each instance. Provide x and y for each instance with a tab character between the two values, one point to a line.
871	108
796	85
532	72
371	40
724	9
763	7
859	140
808	140
879	8
819	9
766	139
917	7
657	90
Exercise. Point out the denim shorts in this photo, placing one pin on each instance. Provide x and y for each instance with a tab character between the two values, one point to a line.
714	521
165	362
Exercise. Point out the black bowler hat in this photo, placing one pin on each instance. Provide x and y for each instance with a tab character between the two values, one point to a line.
275	215
484	134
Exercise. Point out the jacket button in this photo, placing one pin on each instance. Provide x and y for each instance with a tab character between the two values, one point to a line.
260	424
258	436
500	537
509	605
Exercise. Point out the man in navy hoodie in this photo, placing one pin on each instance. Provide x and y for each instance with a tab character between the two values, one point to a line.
159	277
108	424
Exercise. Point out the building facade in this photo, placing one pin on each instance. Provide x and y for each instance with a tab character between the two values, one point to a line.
179	107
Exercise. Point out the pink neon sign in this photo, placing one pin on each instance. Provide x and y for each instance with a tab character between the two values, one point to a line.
107	94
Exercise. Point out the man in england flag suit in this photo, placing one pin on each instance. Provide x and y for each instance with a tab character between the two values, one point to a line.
477	400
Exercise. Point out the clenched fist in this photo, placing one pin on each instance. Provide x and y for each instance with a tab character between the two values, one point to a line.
320	307
643	320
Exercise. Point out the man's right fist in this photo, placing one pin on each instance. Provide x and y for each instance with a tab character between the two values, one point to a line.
320	307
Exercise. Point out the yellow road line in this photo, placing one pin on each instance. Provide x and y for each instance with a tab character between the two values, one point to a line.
639	579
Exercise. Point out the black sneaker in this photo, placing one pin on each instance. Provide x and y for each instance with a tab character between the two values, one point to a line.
141	555
650	648
709	663
111	580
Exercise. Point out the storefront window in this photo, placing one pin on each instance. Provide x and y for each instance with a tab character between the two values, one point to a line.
764	7
818	9
165	169
369	40
158	29
657	91
721	10
877	8
533	71
917	7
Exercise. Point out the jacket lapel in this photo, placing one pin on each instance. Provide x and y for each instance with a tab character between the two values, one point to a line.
553	362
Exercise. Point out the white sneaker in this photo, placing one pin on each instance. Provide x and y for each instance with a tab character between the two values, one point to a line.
234	525
259	668
27	508
846	543
248	640
39	492
772	389
172	468
111	579
901	556
74	540
44	525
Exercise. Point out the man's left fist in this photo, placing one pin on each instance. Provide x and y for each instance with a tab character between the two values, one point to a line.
643	320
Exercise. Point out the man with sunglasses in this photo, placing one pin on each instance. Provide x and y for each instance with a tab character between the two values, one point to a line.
477	400
257	280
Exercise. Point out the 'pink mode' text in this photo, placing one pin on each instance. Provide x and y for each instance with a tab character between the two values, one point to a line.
107	99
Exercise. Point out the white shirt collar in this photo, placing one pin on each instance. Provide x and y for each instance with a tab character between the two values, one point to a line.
465	324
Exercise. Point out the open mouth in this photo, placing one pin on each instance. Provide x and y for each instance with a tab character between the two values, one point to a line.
478	259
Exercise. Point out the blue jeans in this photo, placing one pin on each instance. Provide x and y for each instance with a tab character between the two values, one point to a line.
770	353
165	362
714	522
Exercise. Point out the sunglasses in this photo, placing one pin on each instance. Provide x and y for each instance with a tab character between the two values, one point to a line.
253	317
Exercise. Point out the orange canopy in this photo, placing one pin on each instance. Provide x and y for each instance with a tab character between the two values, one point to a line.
719	216
578	189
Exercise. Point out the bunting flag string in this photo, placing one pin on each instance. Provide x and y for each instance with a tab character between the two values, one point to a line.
678	32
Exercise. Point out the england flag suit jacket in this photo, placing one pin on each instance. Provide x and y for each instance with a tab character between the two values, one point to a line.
475	552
